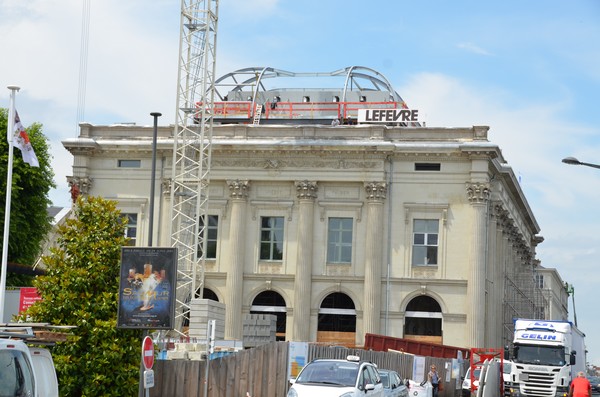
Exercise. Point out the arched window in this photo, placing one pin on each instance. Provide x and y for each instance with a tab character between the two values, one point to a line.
337	319
423	318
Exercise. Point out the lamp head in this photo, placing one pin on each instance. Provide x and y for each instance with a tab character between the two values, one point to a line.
571	160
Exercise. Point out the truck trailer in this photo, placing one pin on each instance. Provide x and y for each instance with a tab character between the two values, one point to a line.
546	356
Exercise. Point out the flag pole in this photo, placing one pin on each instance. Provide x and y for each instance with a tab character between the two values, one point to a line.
10	124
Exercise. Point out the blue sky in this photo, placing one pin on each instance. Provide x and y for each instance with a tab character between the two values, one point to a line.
529	70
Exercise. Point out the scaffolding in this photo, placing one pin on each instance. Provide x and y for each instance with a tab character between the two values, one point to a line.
523	296
192	148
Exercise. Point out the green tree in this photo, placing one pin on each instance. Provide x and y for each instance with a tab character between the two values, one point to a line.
81	288
29	221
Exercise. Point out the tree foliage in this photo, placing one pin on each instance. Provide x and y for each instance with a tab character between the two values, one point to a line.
81	287
29	221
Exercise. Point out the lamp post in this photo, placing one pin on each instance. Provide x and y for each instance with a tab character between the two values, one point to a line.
574	161
155	115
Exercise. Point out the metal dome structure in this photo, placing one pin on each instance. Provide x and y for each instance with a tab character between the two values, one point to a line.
268	95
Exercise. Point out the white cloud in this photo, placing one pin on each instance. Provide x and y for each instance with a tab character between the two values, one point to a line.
470	47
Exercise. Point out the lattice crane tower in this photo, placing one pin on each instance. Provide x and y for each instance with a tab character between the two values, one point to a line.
192	147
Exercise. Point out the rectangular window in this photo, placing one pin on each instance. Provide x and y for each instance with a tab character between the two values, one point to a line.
211	236
339	240
131	228
539	281
425	242
271	238
428	166
129	163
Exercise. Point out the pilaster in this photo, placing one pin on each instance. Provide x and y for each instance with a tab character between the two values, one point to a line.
376	194
306	193
238	192
478	195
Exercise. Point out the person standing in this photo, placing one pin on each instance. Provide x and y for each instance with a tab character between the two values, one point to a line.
580	386
434	379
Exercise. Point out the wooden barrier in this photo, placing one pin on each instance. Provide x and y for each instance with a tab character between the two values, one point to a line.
262	371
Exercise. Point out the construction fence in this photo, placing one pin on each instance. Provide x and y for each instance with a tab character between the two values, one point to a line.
263	371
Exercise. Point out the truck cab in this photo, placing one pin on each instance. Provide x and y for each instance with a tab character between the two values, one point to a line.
545	356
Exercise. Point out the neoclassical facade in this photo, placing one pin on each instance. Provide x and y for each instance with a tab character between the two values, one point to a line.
342	230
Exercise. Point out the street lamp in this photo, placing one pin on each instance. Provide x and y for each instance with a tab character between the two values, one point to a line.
574	161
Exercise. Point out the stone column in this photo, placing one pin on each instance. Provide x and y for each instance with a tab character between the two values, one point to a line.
478	195
376	194
306	193
235	276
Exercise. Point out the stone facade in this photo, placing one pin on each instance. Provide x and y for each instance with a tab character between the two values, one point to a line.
378	185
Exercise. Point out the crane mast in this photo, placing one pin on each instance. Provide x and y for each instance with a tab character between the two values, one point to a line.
192	148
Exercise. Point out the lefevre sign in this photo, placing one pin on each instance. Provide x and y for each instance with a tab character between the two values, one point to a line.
386	116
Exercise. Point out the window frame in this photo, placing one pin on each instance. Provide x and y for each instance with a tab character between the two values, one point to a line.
271	229
129	163
212	244
337	257
133	240
427	243
427	211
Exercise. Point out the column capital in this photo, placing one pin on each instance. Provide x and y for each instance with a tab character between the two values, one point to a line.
306	189
84	183
478	192
376	191
238	189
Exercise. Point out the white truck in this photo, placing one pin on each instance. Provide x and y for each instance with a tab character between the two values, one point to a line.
25	370
546	356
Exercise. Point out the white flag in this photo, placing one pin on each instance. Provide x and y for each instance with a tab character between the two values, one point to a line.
21	140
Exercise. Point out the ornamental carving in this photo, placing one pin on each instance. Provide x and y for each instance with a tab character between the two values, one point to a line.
238	189
376	190
306	189
82	184
478	193
166	186
293	163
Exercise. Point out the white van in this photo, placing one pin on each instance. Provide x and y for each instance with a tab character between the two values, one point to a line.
17	376
45	373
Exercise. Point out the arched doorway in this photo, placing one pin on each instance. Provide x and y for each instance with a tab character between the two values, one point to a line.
270	302
423	320
337	320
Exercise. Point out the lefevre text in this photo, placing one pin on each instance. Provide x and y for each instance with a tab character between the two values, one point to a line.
388	115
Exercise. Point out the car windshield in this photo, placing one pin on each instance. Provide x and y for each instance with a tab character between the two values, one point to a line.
475	374
385	379
340	373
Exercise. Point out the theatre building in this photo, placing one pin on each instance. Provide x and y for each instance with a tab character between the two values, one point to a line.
338	219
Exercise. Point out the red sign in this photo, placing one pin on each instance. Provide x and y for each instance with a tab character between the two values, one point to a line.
148	352
27	297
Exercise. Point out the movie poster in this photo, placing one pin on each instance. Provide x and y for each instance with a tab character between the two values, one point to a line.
147	287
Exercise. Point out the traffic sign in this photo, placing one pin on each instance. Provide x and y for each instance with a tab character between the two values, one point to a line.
148	352
148	378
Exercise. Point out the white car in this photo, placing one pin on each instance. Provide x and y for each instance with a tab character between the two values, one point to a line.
337	378
466	384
